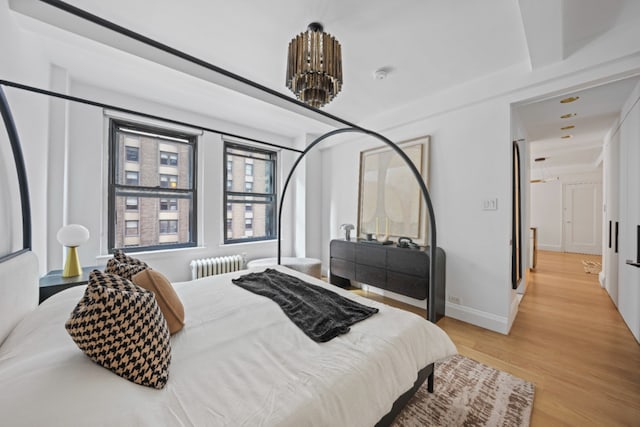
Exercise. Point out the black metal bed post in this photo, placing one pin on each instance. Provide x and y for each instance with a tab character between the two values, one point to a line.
14	140
431	300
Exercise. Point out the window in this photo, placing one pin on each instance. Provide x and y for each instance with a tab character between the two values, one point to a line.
168	181
133	154
168	159
168	204
253	202
131	228
150	210
132	204
132	178
168	226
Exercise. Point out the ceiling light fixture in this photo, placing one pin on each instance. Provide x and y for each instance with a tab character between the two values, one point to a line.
314	66
567	127
569	99
568	116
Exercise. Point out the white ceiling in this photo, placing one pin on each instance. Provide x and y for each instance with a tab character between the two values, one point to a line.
430	46
596	112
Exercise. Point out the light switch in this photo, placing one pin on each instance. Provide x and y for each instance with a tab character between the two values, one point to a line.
490	204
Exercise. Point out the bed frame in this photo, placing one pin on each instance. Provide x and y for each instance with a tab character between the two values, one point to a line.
435	296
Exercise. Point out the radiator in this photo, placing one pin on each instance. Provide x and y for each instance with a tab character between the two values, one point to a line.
210	266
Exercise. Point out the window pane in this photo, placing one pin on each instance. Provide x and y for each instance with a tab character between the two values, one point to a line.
155	225
257	176
132	153
168	181
259	222
174	161
132	178
132	204
168	158
168	204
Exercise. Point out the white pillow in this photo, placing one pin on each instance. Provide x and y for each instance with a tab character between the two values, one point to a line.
19	287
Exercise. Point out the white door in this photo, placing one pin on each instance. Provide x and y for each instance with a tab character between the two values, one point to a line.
583	218
611	178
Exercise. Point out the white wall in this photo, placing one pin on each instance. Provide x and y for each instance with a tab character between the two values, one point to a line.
466	147
24	61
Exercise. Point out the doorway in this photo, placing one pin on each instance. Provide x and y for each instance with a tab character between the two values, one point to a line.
582	218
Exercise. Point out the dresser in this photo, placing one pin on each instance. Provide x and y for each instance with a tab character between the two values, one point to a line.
400	270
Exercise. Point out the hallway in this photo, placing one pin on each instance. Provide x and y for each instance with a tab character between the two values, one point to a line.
569	340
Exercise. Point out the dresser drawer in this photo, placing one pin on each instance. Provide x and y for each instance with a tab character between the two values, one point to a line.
342	268
405	284
371	254
408	261
342	249
374	276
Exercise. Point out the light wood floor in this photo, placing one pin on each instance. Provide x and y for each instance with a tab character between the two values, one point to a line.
569	340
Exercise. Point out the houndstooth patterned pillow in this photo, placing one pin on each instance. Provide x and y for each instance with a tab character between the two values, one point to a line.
119	255
120	327
122	269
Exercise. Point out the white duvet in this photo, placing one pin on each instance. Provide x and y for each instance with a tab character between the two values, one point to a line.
239	361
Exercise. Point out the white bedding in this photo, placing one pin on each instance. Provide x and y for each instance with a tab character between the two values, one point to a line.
239	361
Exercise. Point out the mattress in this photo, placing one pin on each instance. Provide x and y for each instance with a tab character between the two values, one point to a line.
239	361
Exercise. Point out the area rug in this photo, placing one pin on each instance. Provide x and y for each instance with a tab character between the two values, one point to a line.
591	267
468	393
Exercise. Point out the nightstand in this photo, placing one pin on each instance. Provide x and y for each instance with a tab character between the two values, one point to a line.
53	282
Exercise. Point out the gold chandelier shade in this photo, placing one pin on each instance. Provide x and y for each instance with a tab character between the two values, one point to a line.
314	66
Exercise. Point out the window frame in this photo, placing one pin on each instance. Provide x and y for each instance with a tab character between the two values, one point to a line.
273	156
146	191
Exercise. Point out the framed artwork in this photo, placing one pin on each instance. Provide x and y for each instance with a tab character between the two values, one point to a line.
390	201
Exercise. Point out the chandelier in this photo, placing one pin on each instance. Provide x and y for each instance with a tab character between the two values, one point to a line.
314	66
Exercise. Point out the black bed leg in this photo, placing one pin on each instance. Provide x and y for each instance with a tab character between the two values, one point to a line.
430	383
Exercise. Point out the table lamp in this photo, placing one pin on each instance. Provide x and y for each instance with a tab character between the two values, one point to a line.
72	236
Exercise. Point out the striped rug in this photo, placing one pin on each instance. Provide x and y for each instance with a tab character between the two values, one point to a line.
468	393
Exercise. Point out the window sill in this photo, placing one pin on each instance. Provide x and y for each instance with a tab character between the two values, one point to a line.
152	254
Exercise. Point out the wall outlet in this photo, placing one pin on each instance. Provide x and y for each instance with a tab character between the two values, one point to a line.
490	204
454	299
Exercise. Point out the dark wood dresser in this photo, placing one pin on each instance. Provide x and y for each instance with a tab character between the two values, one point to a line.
400	270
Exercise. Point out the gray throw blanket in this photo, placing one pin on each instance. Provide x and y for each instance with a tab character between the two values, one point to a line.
319	312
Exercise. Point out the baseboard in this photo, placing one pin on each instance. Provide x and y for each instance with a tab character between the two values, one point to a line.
553	248
478	317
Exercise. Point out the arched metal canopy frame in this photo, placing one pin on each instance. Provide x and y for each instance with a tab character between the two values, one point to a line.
431	249
21	172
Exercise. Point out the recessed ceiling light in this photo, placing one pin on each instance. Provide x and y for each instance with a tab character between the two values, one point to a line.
567	127
539	159
568	116
566	136
569	99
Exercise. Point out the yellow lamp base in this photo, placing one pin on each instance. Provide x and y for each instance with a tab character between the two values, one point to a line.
72	266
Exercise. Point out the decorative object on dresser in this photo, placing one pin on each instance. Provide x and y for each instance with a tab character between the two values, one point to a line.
399	270
347	230
72	236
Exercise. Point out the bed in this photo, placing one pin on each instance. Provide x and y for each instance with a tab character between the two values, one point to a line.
238	360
